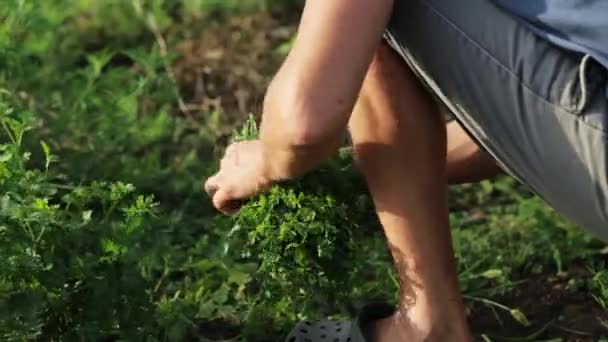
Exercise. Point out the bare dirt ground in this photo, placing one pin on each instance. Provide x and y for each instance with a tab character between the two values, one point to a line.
228	69
552	307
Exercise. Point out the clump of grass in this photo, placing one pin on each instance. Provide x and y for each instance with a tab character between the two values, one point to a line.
309	238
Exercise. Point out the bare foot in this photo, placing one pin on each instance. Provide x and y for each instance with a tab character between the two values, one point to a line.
403	327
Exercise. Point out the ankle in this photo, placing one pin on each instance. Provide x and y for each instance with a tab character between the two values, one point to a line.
434	326
421	320
406	327
432	307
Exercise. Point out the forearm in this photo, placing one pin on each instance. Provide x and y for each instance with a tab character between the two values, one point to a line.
293	144
289	162
309	102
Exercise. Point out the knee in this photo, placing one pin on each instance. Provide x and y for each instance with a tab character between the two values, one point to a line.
387	63
386	57
392	93
388	73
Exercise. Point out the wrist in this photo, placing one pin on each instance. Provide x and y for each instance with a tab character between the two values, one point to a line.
272	170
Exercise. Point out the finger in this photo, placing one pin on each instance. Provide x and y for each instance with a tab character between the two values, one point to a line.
212	185
226	203
232	208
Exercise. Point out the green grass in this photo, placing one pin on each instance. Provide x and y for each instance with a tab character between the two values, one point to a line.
104	232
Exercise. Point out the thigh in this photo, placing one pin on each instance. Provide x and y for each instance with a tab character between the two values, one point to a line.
539	110
466	162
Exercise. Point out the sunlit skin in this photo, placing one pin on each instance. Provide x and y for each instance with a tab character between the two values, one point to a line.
340	75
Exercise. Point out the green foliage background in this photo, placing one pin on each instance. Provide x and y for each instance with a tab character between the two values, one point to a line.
104	232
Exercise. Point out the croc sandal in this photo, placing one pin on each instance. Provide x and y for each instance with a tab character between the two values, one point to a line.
341	331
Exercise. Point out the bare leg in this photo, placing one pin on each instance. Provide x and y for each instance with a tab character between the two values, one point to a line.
466	162
400	143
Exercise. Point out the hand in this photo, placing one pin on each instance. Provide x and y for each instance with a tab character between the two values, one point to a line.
242	175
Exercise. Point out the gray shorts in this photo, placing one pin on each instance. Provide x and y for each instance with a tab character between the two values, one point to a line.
539	110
